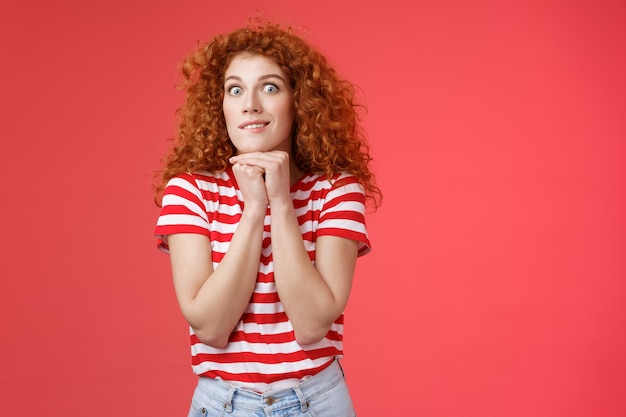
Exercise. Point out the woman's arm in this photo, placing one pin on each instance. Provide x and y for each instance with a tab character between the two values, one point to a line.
313	295
212	301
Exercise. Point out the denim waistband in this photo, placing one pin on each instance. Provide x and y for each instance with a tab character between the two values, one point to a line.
244	399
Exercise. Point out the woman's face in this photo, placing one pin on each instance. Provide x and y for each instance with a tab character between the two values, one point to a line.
258	105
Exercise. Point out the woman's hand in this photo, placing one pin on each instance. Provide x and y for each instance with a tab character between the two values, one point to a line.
251	183
274	165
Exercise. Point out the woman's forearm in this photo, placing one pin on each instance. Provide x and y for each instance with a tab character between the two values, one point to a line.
313	295
212	301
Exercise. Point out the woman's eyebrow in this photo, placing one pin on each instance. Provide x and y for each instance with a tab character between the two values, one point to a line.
265	77
261	78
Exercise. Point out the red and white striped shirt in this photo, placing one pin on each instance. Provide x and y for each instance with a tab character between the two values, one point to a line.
262	353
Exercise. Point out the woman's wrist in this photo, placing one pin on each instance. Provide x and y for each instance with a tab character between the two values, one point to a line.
254	210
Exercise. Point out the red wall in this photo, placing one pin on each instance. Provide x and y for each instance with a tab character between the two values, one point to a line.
497	282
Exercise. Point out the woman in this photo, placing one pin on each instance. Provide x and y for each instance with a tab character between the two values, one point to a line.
263	200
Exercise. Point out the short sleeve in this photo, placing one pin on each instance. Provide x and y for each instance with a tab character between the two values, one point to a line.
182	211
343	213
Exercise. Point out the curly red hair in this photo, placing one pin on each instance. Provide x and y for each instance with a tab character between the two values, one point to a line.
327	134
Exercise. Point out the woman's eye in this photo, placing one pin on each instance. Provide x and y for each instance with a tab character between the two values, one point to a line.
270	88
234	91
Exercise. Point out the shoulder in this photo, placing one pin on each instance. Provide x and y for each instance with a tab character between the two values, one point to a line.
200	180
322	182
198	186
327	192
346	186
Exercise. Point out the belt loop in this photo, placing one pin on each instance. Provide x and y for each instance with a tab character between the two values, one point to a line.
228	405
304	404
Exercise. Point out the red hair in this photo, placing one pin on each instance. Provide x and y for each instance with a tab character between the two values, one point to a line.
327	134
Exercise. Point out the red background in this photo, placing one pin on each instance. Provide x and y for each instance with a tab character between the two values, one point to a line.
497	282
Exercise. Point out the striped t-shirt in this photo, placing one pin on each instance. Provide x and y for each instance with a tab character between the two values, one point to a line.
262	353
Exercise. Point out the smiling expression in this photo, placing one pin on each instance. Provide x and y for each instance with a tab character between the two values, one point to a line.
258	105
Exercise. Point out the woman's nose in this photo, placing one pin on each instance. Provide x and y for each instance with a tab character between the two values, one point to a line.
252	104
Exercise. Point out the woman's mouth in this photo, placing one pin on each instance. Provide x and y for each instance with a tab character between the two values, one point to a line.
255	126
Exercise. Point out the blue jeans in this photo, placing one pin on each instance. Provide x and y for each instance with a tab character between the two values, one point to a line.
323	395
